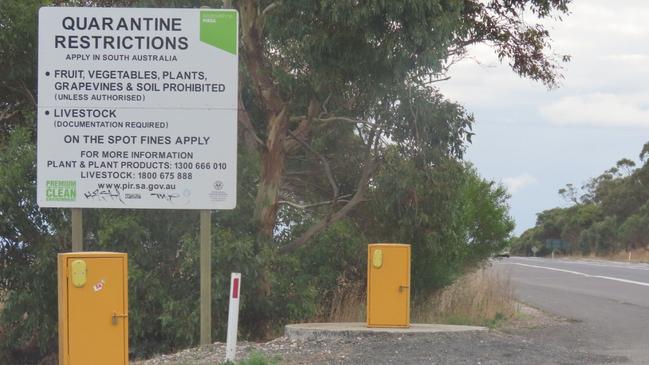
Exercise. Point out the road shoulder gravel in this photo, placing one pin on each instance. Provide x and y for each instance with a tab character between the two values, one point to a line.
525	339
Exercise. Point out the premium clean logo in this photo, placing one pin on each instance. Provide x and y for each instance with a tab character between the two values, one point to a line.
61	190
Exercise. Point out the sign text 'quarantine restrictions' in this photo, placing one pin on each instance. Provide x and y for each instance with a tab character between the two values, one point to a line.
137	108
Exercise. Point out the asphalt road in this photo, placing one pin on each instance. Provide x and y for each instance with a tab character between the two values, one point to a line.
608	302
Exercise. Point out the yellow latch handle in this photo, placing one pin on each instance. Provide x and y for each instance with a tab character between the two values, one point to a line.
116	316
79	273
377	259
401	287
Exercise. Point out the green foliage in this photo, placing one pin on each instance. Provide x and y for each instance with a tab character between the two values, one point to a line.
163	256
645	152
18	44
381	43
609	213
452	218
335	262
381	38
633	232
487	223
494	322
18	41
27	255
314	65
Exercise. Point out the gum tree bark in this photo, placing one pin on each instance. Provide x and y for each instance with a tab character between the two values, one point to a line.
276	115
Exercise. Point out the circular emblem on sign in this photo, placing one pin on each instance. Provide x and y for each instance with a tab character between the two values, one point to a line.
218	185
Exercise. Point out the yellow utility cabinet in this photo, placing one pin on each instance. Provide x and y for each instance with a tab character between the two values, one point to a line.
93	308
388	285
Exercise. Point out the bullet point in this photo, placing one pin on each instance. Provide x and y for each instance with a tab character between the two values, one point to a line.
47	112
47	73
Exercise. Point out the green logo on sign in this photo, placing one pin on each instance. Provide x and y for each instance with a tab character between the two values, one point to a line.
219	29
61	190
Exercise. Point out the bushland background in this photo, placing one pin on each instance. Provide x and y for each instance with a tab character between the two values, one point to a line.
608	215
344	140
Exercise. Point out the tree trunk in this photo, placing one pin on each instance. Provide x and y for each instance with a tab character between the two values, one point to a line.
276	113
272	170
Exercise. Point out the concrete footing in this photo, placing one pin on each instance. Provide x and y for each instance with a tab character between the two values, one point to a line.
318	331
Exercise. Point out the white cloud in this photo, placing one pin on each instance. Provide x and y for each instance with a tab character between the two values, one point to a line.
630	58
603	98
599	109
516	183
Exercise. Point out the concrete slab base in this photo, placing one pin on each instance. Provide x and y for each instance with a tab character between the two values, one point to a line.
318	331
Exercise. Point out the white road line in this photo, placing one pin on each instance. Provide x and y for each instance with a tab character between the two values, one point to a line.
584	274
617	265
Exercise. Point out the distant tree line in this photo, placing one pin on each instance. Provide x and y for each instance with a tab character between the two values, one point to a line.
609	213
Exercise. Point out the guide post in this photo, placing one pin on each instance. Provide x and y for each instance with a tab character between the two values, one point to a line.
233	317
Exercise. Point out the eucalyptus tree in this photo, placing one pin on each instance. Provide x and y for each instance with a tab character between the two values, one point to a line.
366	73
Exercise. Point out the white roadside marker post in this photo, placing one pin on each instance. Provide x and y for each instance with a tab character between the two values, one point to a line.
233	317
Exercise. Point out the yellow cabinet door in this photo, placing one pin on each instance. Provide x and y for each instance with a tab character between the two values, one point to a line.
388	285
97	309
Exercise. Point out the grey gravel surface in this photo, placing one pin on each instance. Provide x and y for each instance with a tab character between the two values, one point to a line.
524	341
608	324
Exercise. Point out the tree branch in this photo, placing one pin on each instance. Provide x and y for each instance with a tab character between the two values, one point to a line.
270	7
413	114
341	119
341	199
7	113
332	119
244	120
29	93
358	198
304	127
325	163
304	172
432	80
324	106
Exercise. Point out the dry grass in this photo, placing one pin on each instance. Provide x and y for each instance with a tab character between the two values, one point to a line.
484	297
637	255
347	305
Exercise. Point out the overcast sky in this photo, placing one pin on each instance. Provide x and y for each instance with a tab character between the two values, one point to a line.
535	141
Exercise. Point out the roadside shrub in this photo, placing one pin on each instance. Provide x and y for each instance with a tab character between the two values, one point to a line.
430	209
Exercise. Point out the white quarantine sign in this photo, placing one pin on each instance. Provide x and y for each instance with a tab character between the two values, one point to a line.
137	108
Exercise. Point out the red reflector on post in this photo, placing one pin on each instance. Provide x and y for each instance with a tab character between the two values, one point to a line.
235	288
233	317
